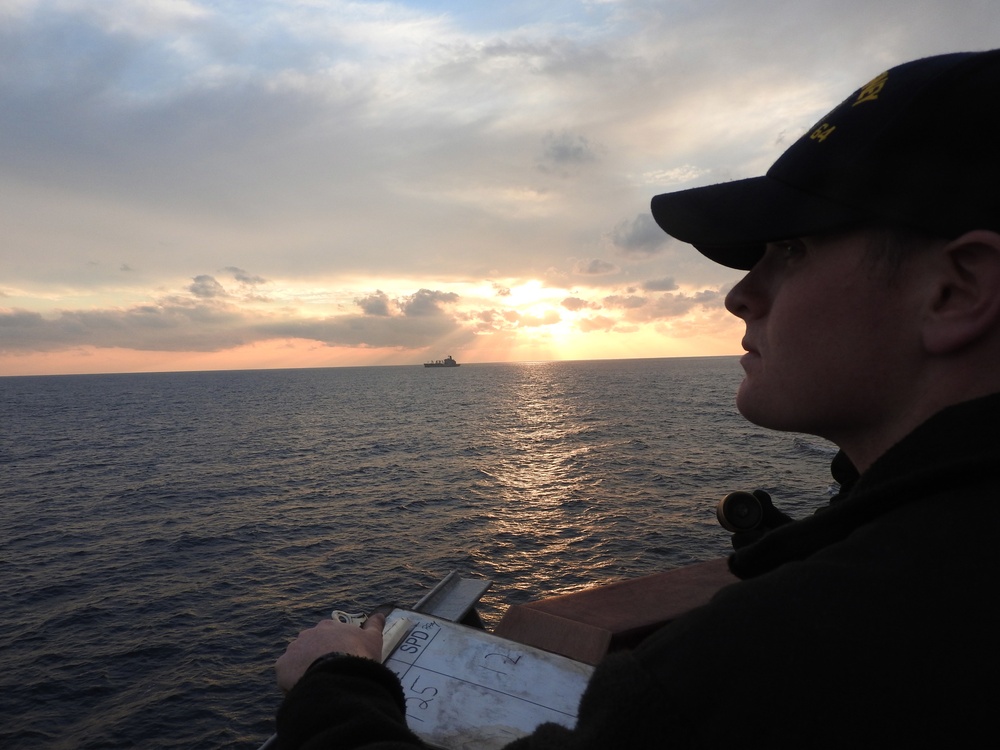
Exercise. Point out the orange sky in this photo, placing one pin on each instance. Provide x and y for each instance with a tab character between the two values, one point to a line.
186	185
683	338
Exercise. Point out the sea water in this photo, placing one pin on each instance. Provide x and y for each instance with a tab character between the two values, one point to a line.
163	536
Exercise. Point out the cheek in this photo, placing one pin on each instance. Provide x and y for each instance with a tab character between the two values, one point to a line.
799	334
832	346
810	344
821	322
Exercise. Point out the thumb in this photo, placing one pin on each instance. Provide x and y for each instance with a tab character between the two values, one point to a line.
375	622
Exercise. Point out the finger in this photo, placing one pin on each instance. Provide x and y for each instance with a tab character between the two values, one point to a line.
375	622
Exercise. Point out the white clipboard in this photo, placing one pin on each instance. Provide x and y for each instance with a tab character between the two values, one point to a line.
466	688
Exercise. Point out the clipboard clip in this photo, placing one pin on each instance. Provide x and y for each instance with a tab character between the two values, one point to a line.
393	634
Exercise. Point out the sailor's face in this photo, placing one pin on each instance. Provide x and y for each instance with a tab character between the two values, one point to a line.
827	338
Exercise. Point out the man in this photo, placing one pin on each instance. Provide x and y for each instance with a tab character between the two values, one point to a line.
872	311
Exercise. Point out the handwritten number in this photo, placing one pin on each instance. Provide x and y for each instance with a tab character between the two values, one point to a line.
505	657
423	700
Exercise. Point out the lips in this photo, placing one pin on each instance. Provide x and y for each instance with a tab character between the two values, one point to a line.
751	356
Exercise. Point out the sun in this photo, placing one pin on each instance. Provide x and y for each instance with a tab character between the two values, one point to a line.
529	293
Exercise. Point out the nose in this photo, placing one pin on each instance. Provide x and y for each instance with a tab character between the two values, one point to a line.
740	298
752	296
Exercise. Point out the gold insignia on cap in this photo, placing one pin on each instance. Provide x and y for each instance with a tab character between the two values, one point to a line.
822	132
870	91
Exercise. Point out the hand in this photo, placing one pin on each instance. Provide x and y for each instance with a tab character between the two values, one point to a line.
328	637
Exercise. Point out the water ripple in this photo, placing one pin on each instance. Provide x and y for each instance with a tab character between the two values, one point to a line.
164	536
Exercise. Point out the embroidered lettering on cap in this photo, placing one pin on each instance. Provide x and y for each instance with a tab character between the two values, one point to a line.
822	132
872	89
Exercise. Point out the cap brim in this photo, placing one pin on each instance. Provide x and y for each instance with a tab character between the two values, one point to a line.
731	222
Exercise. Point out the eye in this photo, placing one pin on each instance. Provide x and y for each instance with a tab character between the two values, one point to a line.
788	250
792	248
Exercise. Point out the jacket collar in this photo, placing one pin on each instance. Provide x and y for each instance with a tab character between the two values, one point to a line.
959	445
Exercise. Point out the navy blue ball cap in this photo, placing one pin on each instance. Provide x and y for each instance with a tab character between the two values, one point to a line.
915	147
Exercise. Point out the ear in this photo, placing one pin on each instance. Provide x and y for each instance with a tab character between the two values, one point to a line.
965	306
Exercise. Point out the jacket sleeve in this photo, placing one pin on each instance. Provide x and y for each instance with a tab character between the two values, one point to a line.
349	702
345	702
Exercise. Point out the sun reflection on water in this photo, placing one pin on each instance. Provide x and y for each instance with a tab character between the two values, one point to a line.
539	480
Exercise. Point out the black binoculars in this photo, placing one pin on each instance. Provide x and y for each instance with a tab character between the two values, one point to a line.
740	512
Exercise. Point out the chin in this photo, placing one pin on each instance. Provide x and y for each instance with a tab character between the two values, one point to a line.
763	412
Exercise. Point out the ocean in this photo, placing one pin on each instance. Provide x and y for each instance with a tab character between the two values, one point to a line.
164	536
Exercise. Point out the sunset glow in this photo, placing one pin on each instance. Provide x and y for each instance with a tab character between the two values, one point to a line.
338	183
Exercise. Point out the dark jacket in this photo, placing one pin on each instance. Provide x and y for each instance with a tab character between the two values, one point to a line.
873	623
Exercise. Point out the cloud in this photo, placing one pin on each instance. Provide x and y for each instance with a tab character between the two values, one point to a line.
207	287
596	323
595	267
169	326
575	304
375	304
675	178
549	318
675	305
660	285
562	151
212	320
207	319
340	147
426	303
365	331
639	237
245	278
627	302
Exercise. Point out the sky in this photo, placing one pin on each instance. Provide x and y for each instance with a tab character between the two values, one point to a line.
234	184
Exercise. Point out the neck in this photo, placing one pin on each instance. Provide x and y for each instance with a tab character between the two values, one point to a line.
865	447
